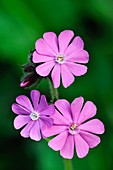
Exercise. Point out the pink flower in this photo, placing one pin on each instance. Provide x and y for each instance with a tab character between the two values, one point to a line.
60	57
33	115
71	128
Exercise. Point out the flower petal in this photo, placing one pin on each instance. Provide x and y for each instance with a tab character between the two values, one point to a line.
51	40
35	95
68	150
44	69
92	140
48	121
20	121
77	44
58	142
43	48
49	111
93	126
80	56
76	69
38	58
25	102
26	130
82	147
35	132
54	130
42	125
43	104
67	76
76	107
19	109
64	39
56	76
88	111
59	119
64	107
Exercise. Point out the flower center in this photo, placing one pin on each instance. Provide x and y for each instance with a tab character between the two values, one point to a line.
73	126
34	116
74	129
60	58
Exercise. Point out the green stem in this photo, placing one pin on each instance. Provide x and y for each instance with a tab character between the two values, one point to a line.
68	164
53	91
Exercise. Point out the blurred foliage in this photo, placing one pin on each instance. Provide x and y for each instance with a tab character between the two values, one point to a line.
22	22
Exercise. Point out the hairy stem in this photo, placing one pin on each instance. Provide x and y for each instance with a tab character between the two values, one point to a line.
53	91
68	164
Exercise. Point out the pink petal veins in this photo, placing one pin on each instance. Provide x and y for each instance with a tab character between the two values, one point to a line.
64	39
64	107
44	69
93	126
21	120
58	142
56	76
35	95
91	139
35	133
38	58
67	151
76	107
51	40
67	76
43	48
82	147
25	102
88	111
76	69
77	44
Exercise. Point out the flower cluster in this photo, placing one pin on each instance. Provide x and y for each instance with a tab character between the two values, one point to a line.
57	57
67	121
63	58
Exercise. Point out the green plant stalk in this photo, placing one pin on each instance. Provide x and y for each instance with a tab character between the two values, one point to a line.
53	91
68	164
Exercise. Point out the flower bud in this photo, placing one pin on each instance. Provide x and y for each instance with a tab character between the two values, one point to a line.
30	79
29	68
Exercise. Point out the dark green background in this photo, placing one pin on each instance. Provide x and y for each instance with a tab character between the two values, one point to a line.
21	24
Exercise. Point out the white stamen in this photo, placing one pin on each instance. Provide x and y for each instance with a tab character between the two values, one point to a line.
60	58
34	116
73	129
73	126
